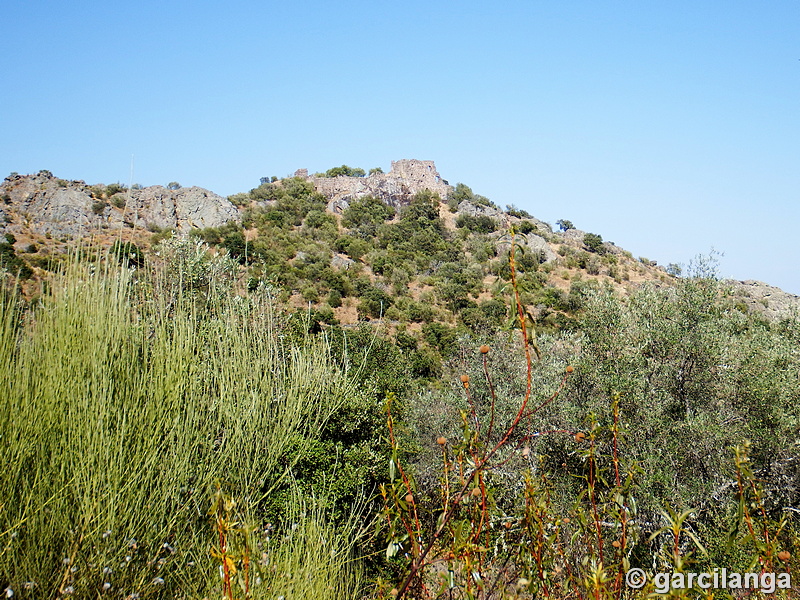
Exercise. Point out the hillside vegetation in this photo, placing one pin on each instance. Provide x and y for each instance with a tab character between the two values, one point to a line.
424	401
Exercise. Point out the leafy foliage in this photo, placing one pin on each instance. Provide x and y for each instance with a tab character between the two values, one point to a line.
345	171
593	242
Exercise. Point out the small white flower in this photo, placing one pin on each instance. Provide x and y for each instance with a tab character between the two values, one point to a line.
107	571
158	581
9	592
106	533
106	586
69	590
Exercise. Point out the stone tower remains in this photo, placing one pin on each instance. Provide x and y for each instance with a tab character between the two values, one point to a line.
406	178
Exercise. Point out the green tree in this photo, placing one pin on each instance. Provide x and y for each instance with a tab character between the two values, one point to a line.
565	225
478	224
345	171
365	214
593	242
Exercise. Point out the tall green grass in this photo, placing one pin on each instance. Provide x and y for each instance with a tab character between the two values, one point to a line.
121	408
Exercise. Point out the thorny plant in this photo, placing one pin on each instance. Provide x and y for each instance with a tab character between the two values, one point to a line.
466	546
234	548
463	524
480	552
763	533
764	536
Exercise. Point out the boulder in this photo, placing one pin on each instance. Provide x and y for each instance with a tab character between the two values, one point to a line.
769	301
45	204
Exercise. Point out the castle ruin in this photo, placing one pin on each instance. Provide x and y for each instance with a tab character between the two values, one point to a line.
396	188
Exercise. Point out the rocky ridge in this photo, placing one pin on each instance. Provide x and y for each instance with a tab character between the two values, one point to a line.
46	205
41	205
771	302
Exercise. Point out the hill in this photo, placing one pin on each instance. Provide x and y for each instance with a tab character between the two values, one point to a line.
403	248
355	386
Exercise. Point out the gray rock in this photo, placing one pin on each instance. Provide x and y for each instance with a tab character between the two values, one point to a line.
396	188
531	242
338	206
769	301
573	235
182	209
466	207
45	204
342	262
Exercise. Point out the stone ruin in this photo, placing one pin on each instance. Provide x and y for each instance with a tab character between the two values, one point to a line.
396	188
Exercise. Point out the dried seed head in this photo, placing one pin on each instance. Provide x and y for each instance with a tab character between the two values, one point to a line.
565	520
484	349
441	440
570	369
394	592
476	492
526	451
409	498
616	543
507	524
784	555
580	436
465	379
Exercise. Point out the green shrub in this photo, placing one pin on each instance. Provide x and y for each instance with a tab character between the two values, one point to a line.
12	263
125	407
127	253
115	188
479	224
365	214
345	171
335	298
518	212
593	242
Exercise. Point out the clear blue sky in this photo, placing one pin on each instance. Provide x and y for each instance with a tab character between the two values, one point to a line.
668	128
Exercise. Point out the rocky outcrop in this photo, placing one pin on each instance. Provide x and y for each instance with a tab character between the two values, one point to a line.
396	188
530	242
47	205
465	207
183	209
769	301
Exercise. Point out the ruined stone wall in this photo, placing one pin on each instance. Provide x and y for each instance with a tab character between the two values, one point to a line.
396	188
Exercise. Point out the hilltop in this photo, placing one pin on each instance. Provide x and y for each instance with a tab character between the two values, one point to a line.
404	247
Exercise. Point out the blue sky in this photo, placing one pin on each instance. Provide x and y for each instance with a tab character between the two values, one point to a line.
668	128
